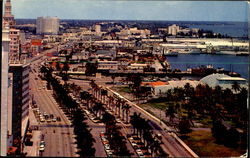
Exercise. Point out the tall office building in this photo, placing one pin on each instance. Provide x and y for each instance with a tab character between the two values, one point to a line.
20	100
4	93
8	18
47	25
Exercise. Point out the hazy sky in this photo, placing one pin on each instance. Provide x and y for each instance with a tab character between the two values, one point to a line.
133	10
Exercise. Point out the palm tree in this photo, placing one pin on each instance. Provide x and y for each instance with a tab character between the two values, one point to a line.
118	106
108	120
134	121
170	111
236	87
127	111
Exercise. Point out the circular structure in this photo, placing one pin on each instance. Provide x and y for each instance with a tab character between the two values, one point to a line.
213	79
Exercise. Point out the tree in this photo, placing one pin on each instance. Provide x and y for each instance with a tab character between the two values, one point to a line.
113	79
170	112
91	68
236	87
184	126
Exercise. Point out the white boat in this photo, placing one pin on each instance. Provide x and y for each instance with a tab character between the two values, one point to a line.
194	51
170	53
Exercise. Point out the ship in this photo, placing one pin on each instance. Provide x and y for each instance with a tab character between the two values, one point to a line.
242	54
205	70
170	53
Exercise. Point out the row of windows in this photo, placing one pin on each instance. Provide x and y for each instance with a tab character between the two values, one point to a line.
26	82
15	47
25	107
26	95
101	66
25	114
13	32
25	76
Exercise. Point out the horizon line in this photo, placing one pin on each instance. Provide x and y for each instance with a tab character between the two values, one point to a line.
134	20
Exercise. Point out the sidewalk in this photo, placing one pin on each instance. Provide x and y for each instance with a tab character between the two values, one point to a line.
34	149
36	136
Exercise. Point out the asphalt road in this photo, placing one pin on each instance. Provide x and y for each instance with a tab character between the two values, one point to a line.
58	136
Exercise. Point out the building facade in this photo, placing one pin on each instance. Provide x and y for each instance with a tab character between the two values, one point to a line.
173	29
47	25
4	93
14	44
8	18
20	100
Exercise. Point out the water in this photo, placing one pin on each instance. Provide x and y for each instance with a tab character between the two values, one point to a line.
239	64
232	29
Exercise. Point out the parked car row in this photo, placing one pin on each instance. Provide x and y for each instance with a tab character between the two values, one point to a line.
139	147
44	117
106	145
92	117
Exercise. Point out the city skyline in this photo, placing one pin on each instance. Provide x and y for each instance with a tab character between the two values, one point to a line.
138	10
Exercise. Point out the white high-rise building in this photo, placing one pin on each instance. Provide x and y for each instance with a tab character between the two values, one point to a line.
47	25
173	29
4	93
98	29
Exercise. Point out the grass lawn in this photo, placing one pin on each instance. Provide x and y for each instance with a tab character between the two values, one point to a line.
161	106
124	89
203	144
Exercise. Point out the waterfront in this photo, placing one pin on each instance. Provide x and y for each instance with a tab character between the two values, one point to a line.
237	64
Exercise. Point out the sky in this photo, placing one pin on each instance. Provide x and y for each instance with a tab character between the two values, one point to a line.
132	10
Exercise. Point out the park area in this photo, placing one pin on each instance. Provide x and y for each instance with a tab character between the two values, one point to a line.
204	144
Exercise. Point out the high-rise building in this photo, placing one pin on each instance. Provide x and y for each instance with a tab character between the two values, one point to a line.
47	25
14	44
98	29
173	29
4	93
20	100
8	18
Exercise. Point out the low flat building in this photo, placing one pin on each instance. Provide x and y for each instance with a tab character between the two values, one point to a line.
224	81
160	87
107	65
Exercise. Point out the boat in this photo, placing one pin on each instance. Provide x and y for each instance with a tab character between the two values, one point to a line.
225	52
242	54
170	53
194	51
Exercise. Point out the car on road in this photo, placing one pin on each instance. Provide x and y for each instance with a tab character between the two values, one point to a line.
109	153
49	120
139	152
104	139
54	119
118	120
41	149
58	118
42	142
42	120
134	144
140	155
107	146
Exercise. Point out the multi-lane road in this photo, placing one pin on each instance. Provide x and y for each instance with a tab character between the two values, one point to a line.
58	136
